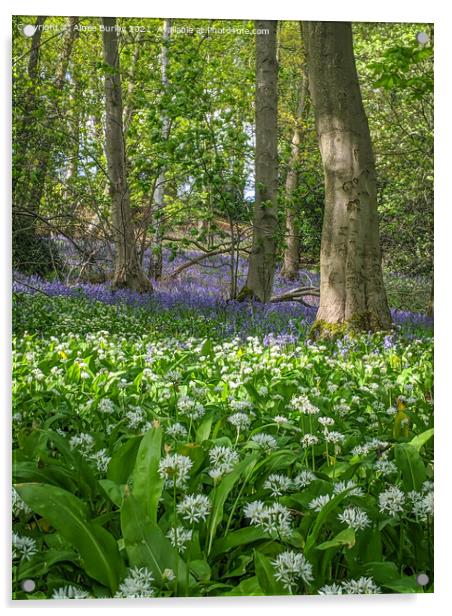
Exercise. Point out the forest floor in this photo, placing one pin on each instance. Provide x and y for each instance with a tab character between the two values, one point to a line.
179	444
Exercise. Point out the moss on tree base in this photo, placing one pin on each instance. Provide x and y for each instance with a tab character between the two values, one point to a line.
358	324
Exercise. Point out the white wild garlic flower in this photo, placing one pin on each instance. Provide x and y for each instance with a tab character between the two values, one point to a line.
174	469
291	567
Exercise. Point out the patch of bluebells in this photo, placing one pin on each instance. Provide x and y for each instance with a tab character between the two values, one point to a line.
204	288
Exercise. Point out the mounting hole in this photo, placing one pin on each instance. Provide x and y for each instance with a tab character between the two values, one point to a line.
28	585
422	38
422	579
29	30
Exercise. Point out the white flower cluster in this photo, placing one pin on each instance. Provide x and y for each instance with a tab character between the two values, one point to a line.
137	418
303	405
264	440
392	500
223	459
361	586
193	409
240	405
83	442
274	519
350	486
280	420
174	469
355	518
70	592
106	406
366	448
326	421
303	479
179	537
240	421
177	431
422	502
137	584
101	459
18	504
309	440
278	484
194	507
385	467
291	567
319	502
23	547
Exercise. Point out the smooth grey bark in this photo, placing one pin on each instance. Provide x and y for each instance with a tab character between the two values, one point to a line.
291	256
351	282
127	272
156	260
261	267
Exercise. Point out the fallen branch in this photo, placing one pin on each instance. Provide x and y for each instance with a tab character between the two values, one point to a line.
297	295
195	261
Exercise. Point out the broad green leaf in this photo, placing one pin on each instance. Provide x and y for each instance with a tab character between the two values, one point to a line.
40	564
321	519
265	574
69	516
345	537
147	484
114	492
240	537
246	588
419	441
203	432
201	569
146	544
411	465
221	492
123	461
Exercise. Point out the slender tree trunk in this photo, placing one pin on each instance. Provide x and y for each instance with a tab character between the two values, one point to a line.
351	282
41	165
291	258
261	267
430	308
24	137
156	259
27	251
128	272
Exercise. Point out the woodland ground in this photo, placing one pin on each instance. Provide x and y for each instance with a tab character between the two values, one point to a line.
178	444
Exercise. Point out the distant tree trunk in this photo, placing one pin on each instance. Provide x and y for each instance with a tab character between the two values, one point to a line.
430	308
41	165
128	272
23	136
28	252
352	292
291	258
261	267
156	258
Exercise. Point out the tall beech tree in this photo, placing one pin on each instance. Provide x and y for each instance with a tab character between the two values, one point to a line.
127	272
291	256
156	260
262	259
351	282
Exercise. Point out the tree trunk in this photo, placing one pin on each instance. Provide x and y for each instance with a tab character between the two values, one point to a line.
128	272
352	293
41	165
156	258
261	267
291	262
23	138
